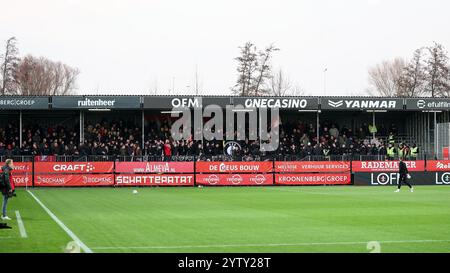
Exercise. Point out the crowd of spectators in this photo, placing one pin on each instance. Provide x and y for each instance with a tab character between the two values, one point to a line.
297	139
301	140
103	138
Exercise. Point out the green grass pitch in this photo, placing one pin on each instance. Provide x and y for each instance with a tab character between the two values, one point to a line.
233	219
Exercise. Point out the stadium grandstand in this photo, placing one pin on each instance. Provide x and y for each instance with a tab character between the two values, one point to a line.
112	167
102	128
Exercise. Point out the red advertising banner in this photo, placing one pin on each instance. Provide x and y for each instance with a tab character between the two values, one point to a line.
74	180
313	179
22	174
438	165
234	179
311	166
74	167
22	179
154	179
22	167
154	167
387	166
234	167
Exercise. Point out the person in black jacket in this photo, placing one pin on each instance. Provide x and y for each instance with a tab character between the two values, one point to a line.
403	171
8	190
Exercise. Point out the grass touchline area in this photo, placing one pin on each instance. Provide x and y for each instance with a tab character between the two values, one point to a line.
230	219
61	224
269	245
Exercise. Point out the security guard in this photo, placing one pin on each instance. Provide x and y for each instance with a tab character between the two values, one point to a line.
391	138
401	150
391	152
373	129
414	152
326	152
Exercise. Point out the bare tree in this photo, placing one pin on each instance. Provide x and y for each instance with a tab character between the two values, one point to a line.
41	76
254	70
8	62
384	78
412	80
263	70
32	76
297	90
153	89
281	85
247	62
437	71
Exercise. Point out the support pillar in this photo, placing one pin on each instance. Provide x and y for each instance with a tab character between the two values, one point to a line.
142	130
81	126
20	129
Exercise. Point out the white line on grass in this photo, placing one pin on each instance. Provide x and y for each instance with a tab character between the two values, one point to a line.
61	224
269	245
299	191
23	232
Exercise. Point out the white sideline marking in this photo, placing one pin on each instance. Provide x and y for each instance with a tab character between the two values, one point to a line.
72	235
269	245
298	191
23	232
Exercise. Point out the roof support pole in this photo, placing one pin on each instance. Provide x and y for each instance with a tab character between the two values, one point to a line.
142	130
81	126
436	136
318	127
20	129
373	124
428	131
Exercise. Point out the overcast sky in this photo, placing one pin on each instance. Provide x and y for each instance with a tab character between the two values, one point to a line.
133	46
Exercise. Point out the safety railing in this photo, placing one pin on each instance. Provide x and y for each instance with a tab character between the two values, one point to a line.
17	158
187	158
218	157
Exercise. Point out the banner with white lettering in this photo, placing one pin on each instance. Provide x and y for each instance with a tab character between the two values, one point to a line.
387	166
428	104
154	167
154	179
392	178
70	180
234	179
313	179
96	102
74	167
234	167
23	103
311	166
278	102
22	174
361	104
153	102
438	165
22	179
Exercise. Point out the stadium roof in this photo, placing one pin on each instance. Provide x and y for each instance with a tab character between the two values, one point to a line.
138	102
